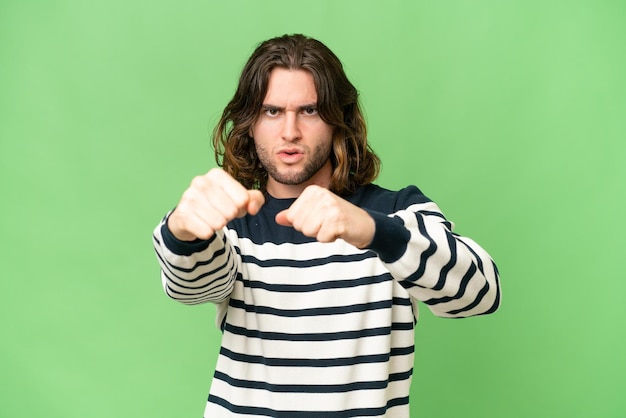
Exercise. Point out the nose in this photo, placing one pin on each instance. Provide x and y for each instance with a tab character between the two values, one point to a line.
291	128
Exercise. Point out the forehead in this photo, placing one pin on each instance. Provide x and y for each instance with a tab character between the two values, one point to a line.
290	87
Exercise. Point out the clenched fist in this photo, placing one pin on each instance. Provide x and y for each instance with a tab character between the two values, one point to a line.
321	214
210	202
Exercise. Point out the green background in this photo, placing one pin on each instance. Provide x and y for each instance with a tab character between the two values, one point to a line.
510	114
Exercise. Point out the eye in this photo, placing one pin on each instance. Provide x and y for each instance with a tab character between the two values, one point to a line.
309	110
271	111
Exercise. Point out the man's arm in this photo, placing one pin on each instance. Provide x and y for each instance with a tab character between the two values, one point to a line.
197	261
453	275
195	272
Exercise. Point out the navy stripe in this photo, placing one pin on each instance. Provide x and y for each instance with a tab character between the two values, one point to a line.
184	248
444	271
462	286
326	388
209	260
331	284
329	336
174	279
439	215
172	276
479	298
293	313
349	413
206	294
317	363
314	262
432	248
496	302
336	310
402	301
193	301
476	257
402	326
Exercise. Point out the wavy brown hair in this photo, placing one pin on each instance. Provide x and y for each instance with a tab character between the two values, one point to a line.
354	162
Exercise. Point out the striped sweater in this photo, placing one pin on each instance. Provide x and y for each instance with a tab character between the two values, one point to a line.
326	329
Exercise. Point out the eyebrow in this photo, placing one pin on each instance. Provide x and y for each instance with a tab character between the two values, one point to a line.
282	109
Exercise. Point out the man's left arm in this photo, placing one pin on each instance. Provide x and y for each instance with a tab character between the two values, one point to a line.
452	274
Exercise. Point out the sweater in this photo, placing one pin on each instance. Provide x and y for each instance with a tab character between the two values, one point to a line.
314	329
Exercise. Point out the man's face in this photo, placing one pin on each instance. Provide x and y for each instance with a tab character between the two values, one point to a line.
292	141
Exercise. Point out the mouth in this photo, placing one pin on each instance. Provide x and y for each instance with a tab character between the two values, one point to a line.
290	154
290	151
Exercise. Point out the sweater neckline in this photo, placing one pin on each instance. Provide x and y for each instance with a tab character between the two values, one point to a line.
277	204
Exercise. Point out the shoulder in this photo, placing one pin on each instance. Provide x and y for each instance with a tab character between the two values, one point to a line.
374	197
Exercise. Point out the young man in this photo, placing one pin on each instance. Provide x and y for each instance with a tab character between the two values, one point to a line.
316	272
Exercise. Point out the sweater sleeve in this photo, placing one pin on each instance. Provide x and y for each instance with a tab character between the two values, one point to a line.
195	272
451	274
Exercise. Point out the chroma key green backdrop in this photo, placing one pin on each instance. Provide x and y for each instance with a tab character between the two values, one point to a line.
510	114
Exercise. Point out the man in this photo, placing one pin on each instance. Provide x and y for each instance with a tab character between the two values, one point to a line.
316	272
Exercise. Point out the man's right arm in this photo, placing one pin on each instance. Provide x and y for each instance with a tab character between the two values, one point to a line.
197	261
194	272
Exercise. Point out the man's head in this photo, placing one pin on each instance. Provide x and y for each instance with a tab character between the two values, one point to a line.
354	163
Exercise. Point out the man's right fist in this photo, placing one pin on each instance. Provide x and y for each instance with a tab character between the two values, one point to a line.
210	202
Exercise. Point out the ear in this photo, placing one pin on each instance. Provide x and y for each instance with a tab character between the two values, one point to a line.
251	133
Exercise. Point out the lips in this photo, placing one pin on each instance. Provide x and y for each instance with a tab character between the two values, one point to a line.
290	155
290	151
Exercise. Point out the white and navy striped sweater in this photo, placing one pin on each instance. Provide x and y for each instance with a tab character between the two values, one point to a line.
326	329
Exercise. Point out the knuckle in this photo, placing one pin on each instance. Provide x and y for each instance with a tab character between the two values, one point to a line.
188	202
198	182
231	212
214	172
239	199
308	231
206	233
217	223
